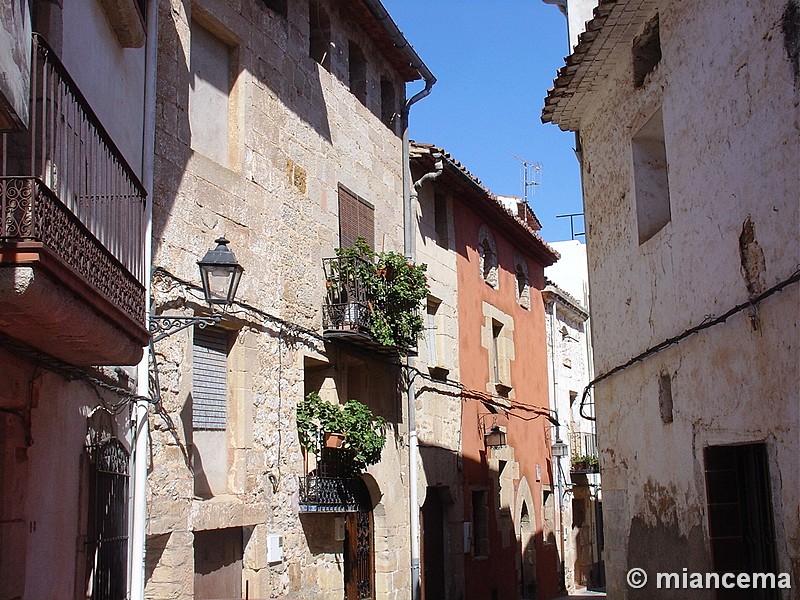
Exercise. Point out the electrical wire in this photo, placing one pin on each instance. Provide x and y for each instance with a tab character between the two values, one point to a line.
706	324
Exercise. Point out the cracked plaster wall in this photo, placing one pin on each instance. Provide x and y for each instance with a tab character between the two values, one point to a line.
730	104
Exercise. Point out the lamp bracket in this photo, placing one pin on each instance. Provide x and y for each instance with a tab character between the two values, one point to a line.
164	326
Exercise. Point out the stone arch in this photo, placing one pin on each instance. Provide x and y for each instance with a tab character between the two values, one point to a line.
487	257
525	526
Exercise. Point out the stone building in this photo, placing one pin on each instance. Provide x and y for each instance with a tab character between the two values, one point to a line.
687	116
73	156
502	488
280	127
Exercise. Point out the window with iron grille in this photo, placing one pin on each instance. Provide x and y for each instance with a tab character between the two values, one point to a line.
356	219
107	552
210	379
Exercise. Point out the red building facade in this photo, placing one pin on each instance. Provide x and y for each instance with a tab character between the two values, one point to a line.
511	525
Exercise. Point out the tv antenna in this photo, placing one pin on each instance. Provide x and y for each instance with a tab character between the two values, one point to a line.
531	175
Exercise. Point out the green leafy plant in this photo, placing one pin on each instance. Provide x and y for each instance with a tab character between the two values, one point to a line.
365	433
394	288
585	462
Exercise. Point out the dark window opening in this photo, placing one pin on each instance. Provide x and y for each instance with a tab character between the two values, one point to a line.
277	6
646	52
358	72
319	44
388	103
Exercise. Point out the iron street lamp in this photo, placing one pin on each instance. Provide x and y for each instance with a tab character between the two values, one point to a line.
220	273
495	437
559	448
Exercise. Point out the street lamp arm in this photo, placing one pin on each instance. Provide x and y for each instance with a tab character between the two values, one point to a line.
164	326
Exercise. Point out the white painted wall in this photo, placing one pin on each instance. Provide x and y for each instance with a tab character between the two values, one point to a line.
730	122
109	76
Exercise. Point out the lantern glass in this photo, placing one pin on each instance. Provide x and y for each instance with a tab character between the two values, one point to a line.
495	437
559	449
220	274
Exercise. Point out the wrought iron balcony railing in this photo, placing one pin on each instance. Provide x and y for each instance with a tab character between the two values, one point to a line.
64	184
328	494
347	301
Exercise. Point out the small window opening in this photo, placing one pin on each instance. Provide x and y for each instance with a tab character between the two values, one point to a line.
388	103
358	72
277	6
320	42
651	179
646	52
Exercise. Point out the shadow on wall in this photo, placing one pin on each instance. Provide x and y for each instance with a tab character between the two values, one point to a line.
276	60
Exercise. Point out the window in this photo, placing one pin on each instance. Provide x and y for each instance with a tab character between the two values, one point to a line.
218	555
108	521
277	6
646	52
480	523
388	103
209	95
487	257
495	352
210	412
665	397
430	331
319	39
358	72
440	219
523	283
740	521
651	182
356	219
209	379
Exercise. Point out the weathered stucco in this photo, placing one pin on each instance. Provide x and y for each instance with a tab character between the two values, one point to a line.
729	96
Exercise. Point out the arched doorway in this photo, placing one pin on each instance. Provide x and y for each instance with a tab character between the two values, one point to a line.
528	554
359	552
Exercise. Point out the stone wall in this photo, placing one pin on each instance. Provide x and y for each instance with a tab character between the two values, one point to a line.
295	133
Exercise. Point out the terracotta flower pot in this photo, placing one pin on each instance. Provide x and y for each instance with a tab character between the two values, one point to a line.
334	440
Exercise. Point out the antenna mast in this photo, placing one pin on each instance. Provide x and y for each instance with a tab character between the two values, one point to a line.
531	175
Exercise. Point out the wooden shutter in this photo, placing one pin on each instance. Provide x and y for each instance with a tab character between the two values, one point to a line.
210	379
356	219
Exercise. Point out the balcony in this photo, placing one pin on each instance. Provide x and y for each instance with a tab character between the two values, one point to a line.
320	494
583	453
331	486
350	306
72	215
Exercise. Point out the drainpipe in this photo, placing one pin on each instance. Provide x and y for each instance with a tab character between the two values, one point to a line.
409	246
140	430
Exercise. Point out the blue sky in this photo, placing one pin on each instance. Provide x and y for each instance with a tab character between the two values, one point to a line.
494	61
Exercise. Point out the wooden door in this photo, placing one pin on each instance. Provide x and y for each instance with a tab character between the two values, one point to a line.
359	556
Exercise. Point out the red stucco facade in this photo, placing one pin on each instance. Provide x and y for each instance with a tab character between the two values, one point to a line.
499	573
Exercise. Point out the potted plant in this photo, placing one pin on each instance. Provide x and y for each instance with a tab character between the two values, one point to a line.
585	462
363	434
393	287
